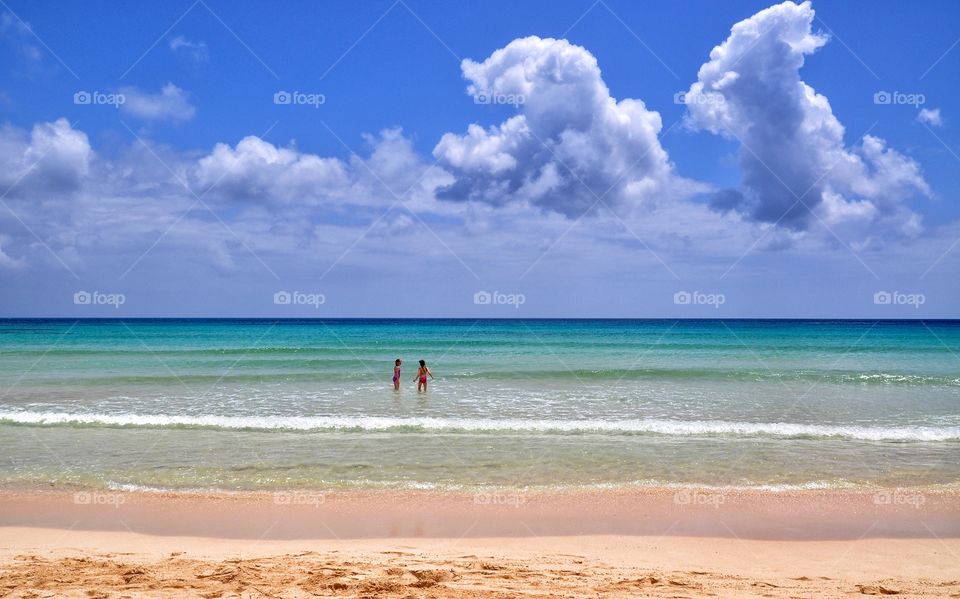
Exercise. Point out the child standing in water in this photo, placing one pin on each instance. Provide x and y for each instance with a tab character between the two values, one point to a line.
422	374
396	374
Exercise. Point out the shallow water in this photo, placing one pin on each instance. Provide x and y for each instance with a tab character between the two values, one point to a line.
544	403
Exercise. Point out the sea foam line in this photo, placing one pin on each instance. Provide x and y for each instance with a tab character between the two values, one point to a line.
379	423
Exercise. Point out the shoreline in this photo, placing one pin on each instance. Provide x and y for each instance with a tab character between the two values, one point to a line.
796	515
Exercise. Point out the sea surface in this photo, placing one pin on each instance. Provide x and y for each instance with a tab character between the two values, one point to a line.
241	405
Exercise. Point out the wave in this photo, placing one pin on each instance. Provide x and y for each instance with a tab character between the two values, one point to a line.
677	428
414	485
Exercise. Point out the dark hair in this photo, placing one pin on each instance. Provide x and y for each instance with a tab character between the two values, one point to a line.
398	361
423	362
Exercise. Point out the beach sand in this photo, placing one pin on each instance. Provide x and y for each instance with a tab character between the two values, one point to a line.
652	542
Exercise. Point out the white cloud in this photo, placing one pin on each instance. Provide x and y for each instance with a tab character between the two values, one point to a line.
571	143
172	103
255	168
930	116
791	143
54	158
195	51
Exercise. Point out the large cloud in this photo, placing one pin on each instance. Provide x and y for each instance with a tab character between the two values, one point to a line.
571	142
796	168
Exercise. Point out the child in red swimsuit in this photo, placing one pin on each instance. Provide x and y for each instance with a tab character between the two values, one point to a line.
422	374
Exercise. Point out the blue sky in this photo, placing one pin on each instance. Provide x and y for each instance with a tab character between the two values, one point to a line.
593	192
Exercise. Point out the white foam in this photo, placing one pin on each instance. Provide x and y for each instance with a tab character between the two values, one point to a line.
380	423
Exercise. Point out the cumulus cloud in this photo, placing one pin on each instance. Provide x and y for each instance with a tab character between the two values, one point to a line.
257	170
53	158
570	143
930	116
171	104
796	168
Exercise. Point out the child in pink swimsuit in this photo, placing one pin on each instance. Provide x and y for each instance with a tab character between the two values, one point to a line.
396	375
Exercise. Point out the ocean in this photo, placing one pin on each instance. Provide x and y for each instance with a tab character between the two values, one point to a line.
241	405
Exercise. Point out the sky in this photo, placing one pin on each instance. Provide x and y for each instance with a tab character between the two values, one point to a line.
406	158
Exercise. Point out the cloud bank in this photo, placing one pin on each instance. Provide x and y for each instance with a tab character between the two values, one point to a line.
501	198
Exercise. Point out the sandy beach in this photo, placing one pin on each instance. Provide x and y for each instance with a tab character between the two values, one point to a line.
654	542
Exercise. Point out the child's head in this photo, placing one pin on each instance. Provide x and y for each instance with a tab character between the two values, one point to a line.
423	363
397	362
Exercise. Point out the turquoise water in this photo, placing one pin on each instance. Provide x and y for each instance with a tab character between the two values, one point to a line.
251	404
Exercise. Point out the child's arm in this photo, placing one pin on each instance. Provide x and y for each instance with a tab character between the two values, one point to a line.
430	373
